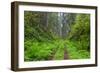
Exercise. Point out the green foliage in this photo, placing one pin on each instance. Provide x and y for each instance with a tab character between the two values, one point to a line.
43	36
59	54
43	50
38	50
80	31
74	52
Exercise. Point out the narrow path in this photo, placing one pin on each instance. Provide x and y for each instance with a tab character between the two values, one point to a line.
66	54
52	57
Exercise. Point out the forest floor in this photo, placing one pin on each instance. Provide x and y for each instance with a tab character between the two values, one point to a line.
63	54
48	51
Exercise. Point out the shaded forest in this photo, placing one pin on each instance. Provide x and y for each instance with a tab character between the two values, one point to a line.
56	36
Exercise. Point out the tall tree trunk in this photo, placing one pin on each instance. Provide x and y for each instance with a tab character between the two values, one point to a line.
60	23
44	19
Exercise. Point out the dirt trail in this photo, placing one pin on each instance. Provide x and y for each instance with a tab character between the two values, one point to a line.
52	57
66	54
